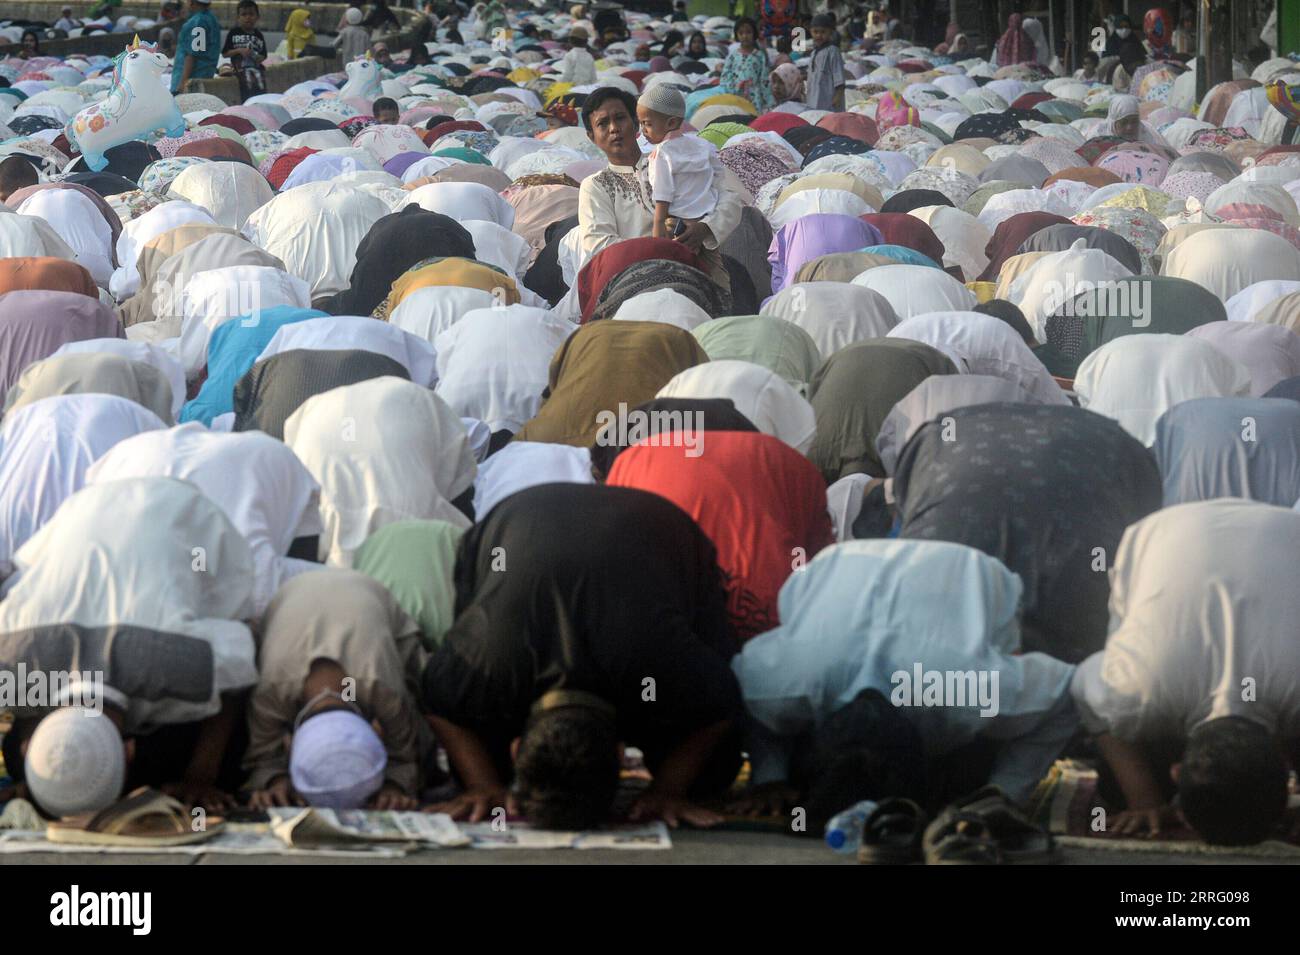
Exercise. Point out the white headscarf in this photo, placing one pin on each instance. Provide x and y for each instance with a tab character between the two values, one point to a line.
1270	353
383	450
762	396
985	345
1253	298
1137	378
917	289
494	365
463	201
230	191
137	233
360	333
80	224
427	312
28	235
963	236
525	464
834	314
315	230
1053	280
1225	261
663	305
46	448
811	201
497	245
219	295
257	482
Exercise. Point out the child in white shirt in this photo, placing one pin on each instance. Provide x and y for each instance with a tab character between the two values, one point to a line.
685	172
578	66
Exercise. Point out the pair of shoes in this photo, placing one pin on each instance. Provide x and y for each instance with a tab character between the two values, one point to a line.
985	828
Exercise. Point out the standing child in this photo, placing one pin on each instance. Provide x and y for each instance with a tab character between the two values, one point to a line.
246	47
578	67
353	41
826	67
685	173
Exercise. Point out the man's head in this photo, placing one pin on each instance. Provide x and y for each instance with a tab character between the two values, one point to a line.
1123	26
386	111
660	111
73	762
1010	313
578	37
567	762
867	749
16	173
381	54
1090	62
247	14
823	28
1232	781
609	116
198	5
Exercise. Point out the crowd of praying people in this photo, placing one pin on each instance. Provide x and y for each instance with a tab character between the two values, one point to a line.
565	401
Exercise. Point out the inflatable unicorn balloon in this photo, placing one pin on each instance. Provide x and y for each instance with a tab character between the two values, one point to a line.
364	80
138	106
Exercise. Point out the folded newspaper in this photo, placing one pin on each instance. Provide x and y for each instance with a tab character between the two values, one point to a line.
309	828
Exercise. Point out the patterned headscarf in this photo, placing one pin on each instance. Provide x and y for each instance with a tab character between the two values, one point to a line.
564	112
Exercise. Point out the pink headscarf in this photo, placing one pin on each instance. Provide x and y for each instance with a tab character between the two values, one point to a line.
1015	46
893	110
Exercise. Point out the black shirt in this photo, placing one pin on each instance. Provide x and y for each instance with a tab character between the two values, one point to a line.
586	587
252	39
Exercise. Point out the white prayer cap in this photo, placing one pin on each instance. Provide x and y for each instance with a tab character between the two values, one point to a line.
75	762
337	760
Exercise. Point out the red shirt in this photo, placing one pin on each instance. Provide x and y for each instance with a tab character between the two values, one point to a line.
761	503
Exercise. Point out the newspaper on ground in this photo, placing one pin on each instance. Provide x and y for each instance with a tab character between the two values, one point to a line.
313	827
519	835
234	839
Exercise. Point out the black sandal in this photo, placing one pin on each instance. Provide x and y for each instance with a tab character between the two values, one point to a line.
892	833
960	838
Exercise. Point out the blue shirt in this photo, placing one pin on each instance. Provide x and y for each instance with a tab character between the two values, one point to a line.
897	617
199	39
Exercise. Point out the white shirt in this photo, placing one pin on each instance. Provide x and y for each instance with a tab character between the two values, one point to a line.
1206	635
684	171
578	67
615	204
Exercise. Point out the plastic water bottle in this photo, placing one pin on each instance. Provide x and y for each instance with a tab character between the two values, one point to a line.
844	830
